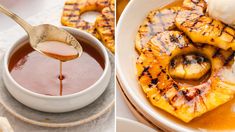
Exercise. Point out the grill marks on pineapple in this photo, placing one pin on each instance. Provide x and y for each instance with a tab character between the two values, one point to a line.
189	16
222	30
202	29
198	60
225	56
183	101
150	26
164	39
161	16
192	66
157	21
154	81
187	94
105	26
196	5
174	39
229	59
67	8
217	53
74	8
145	72
158	45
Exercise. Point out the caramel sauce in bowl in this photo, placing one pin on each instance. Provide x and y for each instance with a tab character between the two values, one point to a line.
31	88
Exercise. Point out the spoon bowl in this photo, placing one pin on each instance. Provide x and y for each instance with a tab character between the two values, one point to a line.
46	32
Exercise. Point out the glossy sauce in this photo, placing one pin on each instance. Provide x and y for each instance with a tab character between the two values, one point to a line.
41	74
58	50
221	118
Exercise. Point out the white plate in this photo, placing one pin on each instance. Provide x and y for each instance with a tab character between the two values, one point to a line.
126	125
132	17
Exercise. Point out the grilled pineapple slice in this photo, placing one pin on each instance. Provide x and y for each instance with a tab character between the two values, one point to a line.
157	21
203	29
74	8
197	5
189	67
105	26
183	101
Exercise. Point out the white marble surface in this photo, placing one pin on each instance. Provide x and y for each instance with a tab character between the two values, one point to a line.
51	14
25	9
121	106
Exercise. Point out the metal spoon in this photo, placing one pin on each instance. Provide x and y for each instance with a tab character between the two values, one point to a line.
45	32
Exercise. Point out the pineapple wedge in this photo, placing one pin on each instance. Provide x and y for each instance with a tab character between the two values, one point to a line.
157	21
105	26
197	5
202	29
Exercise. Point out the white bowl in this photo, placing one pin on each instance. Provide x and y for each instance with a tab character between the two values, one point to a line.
57	104
126	56
126	125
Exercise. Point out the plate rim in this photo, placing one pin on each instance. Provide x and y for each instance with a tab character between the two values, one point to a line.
135	123
135	111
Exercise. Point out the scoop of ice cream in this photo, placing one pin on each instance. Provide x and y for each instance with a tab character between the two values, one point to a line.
223	10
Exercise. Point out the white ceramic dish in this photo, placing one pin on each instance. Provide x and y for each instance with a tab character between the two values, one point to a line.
128	25
97	111
124	125
53	103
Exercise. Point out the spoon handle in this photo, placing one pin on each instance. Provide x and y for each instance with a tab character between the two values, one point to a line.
27	27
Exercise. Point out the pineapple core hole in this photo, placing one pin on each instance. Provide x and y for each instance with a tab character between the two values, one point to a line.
89	16
190	68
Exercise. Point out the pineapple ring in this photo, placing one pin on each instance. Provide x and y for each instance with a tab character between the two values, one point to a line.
74	8
184	101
